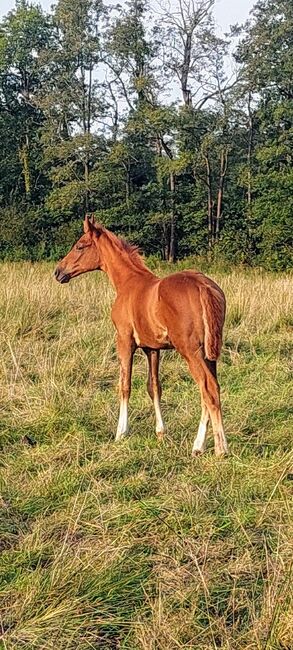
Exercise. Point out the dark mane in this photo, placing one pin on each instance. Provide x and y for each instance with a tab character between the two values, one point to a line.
132	251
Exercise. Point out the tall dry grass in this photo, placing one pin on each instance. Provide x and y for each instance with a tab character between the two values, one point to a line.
138	545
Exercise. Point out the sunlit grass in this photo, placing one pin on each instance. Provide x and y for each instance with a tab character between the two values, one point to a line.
137	545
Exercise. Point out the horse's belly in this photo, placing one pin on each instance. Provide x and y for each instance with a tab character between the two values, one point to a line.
156	337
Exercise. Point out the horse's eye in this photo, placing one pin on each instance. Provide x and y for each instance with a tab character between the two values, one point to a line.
79	247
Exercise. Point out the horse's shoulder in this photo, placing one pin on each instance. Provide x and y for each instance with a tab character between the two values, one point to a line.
117	309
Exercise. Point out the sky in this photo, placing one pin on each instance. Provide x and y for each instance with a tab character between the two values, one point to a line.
227	12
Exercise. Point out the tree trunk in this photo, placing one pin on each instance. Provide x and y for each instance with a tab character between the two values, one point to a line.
165	242
185	71
249	157
115	127
223	169
172	247
210	204
89	99
24	159
85	123
127	186
126	166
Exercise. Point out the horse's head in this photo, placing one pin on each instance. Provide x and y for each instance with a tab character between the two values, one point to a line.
84	255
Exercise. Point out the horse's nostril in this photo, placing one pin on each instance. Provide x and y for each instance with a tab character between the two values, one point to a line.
61	275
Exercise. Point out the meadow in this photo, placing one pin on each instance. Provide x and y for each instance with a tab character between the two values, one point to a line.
137	545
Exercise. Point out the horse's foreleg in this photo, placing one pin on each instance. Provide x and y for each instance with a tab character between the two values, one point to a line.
154	388
126	349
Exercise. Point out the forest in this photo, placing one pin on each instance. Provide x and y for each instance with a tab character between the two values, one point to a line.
134	113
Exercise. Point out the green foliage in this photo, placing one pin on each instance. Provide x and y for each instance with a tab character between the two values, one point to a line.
87	123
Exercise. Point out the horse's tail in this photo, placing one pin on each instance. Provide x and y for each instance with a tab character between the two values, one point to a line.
213	305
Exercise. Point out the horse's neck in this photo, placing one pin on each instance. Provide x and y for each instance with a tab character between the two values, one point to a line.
117	264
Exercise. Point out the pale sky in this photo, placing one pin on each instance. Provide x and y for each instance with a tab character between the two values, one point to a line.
227	12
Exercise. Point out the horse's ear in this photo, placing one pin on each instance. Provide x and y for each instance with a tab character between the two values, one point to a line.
88	224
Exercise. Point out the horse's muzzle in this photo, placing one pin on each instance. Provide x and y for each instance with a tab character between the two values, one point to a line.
61	275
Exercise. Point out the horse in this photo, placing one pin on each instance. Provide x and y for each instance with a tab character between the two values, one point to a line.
184	311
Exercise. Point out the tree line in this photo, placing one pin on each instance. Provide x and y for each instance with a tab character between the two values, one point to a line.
130	112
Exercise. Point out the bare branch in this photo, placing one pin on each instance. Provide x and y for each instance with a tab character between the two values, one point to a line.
119	79
211	95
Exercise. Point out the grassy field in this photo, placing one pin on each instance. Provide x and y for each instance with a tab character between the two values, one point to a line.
137	545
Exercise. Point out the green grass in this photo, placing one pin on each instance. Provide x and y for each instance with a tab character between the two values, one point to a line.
137	545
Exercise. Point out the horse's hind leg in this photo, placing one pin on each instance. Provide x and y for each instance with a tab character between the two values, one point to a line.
154	388
200	440
204	372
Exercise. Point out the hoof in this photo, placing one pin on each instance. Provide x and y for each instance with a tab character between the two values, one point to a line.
221	453
197	452
120	436
160	435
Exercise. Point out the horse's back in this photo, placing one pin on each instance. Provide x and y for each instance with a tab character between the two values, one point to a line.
188	279
186	286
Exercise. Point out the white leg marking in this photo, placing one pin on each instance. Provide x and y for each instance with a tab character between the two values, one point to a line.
160	427
200	440
122	428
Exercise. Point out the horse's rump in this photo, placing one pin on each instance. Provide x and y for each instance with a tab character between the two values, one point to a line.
213	306
209	304
213	313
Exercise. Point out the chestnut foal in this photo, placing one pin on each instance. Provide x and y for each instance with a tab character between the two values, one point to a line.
185	311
